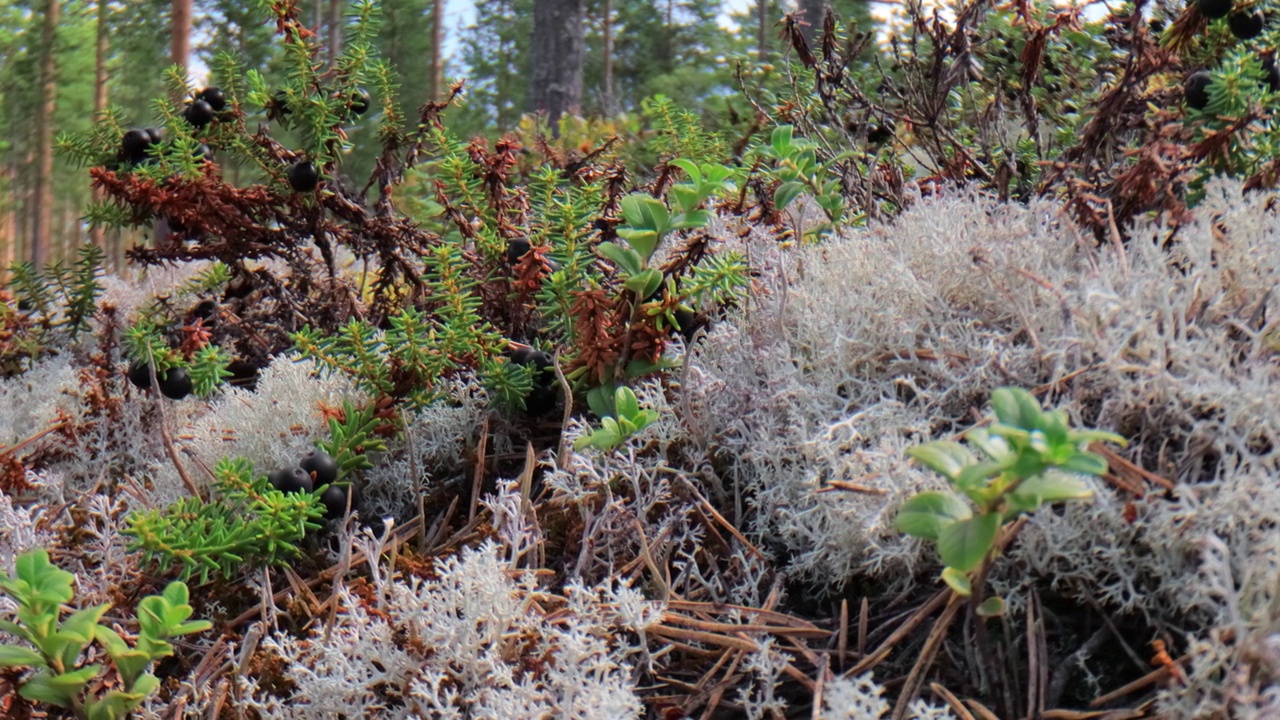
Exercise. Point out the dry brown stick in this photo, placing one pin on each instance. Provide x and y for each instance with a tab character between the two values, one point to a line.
949	698
919	616
568	407
164	429
864	620
842	639
1037	657
709	626
1148	679
23	443
915	679
721	519
478	477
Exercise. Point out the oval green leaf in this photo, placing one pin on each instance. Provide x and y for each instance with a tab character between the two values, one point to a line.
926	514
957	581
965	543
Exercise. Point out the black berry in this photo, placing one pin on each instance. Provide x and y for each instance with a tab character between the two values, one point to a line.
199	113
278	107
215	97
1214	9
134	144
1197	89
320	465
1246	26
140	376
291	480
1272	73
877	134
154	134
360	102
1157	26
334	499
176	383
516	249
303	176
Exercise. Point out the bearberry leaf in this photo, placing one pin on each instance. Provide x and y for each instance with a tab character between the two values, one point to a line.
944	457
992	607
926	514
1016	407
957	581
963	544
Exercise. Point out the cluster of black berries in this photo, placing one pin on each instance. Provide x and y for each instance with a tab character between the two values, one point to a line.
205	106
175	382
1245	25
135	143
317	469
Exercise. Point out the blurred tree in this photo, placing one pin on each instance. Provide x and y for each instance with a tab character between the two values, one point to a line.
42	215
180	31
496	59
555	80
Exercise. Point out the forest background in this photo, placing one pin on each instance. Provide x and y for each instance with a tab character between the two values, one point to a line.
63	61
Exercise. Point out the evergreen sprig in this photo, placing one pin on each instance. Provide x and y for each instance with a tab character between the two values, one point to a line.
246	523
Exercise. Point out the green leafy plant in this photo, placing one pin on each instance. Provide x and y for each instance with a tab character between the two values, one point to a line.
797	168
1026	458
628	419
40	588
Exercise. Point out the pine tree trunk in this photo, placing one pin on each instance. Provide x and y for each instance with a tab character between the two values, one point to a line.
555	87
335	31
97	232
609	109
436	86
762	39
181	30
42	215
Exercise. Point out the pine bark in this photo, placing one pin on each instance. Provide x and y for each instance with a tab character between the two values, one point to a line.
181	31
335	31
555	87
609	109
436	86
42	215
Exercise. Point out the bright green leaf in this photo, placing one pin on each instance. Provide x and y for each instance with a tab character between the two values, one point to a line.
963	544
944	457
926	514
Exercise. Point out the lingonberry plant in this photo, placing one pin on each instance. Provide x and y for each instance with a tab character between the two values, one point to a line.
62	676
1026	458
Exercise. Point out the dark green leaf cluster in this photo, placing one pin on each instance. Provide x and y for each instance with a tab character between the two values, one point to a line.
59	300
246	523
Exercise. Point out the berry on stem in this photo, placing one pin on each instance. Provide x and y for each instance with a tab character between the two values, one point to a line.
334	499
134	144
1214	9
291	480
1246	26
321	466
199	113
1196	89
176	383
303	176
140	376
215	97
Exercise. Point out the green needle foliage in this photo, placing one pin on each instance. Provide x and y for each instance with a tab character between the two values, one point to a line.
41	589
1027	458
248	522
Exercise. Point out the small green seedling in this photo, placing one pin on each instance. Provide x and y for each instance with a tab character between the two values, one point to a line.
628	419
1029	458
40	589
